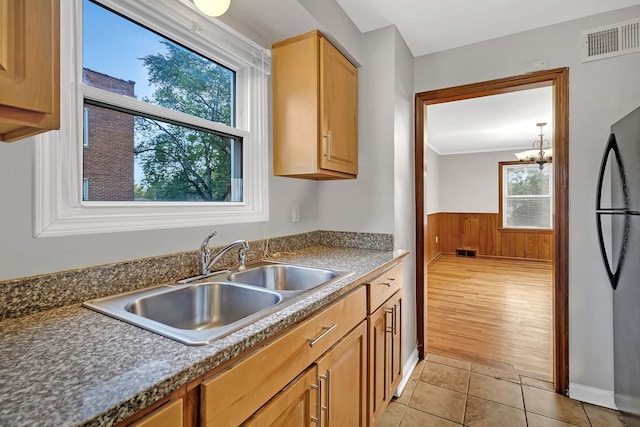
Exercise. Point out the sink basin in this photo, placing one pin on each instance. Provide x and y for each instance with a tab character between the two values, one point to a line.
194	314
283	277
198	310
203	306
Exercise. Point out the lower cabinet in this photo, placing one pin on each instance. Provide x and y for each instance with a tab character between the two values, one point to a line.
334	341
385	341
332	392
168	415
342	374
295	406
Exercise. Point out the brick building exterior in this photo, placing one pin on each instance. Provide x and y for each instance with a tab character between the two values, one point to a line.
108	145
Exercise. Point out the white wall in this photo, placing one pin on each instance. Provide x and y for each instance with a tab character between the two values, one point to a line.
469	182
366	203
404	187
432	191
600	93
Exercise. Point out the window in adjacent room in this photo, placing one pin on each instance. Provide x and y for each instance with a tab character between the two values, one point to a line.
527	195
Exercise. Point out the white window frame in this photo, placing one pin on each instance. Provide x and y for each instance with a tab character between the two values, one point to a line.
505	197
59	209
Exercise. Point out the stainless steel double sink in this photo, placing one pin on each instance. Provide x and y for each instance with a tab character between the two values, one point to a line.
199	310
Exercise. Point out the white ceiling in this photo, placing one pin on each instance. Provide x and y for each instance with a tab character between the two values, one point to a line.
434	25
491	123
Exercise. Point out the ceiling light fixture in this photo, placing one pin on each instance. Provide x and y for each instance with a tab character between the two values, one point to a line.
212	7
542	153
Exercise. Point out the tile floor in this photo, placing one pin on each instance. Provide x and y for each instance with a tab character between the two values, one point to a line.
444	392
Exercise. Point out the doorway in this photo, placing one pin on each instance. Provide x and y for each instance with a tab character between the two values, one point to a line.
558	80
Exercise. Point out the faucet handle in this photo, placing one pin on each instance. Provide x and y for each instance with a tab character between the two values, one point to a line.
243	256
205	242
205	254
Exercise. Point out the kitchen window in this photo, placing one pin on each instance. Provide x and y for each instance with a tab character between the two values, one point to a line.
174	105
526	195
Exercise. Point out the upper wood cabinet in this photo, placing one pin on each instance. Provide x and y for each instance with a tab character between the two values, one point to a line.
315	109
29	67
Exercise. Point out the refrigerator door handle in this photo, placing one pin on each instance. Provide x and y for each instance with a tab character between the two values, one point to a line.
612	145
613	275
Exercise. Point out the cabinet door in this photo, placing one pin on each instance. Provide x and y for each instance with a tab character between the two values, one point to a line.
394	308
339	111
379	356
233	395
168	415
385	355
29	67
295	406
342	373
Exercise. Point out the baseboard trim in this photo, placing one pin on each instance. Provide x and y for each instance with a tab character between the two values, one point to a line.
595	396
407	369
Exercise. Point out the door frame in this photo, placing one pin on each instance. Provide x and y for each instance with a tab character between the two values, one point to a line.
558	79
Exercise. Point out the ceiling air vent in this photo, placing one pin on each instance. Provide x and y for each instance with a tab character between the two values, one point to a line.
612	40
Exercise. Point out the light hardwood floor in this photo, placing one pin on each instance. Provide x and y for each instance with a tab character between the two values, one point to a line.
496	312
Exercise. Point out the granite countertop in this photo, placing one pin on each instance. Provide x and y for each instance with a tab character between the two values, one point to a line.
72	366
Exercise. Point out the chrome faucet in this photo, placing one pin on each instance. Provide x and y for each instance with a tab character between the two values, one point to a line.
205	255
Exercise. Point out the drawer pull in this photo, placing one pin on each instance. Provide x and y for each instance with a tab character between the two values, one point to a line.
327	329
390	282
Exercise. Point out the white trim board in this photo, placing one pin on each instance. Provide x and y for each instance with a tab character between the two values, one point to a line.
593	395
407	369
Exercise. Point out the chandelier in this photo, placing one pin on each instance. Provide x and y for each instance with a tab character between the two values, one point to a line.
542	152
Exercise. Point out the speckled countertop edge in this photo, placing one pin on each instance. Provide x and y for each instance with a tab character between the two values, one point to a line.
71	366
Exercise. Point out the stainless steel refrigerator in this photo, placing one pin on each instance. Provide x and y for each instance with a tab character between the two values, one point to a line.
618	220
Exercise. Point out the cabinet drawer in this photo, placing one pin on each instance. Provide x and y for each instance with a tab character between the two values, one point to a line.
382	287
168	415
233	395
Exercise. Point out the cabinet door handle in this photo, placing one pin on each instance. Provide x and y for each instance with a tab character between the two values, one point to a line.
328	136
394	323
328	407
394	320
389	311
327	329
390	282
318	418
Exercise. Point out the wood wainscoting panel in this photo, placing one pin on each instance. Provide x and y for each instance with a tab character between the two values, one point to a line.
481	231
